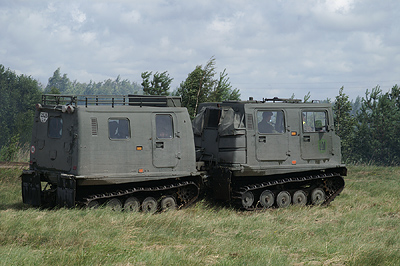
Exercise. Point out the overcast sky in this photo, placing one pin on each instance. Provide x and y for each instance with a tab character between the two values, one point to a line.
268	48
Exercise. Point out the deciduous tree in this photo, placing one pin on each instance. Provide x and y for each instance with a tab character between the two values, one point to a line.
61	83
201	86
18	95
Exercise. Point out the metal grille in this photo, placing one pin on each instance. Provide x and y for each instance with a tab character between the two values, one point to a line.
94	126
249	122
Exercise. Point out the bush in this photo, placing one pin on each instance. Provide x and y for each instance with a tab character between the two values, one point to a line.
9	151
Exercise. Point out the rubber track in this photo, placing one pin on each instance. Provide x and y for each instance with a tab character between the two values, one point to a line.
132	191
330	197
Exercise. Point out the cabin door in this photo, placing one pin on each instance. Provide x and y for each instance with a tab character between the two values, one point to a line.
166	141
52	147
272	143
316	140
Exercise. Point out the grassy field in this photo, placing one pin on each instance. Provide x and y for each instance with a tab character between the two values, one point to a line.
361	227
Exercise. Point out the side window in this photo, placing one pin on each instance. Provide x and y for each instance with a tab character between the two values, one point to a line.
315	121
54	130
164	126
118	128
271	121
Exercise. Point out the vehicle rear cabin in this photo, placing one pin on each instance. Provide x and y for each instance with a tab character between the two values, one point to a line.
91	145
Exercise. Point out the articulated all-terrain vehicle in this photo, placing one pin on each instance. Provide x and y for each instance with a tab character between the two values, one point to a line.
142	152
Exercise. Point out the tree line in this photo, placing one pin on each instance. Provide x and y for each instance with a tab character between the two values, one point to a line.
18	96
368	127
20	93
370	135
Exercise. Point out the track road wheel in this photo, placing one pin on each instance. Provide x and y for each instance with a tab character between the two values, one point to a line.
114	204
267	199
247	199
317	196
283	199
94	204
299	198
132	204
149	205
168	203
186	194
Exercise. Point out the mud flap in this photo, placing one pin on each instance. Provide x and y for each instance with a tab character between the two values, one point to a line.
31	189
66	190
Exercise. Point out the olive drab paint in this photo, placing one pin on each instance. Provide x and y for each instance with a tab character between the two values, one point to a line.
266	153
143	152
279	147
95	145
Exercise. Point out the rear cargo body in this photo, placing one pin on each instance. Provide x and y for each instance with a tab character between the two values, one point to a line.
106	143
125	158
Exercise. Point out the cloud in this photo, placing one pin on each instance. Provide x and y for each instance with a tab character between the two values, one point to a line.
132	17
267	47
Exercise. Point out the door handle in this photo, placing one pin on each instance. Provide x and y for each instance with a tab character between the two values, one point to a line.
306	138
262	139
159	145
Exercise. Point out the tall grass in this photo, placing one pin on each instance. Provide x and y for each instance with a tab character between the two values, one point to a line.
15	151
361	227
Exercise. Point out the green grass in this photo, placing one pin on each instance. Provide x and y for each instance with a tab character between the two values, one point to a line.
360	227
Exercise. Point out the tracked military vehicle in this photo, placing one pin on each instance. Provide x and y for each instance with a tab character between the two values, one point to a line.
274	152
130	152
143	152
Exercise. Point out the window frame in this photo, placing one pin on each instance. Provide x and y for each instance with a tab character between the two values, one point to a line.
52	131
311	122
125	133
259	115
169	127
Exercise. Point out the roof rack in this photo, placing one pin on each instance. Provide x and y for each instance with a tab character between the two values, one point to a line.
58	99
153	100
276	99
113	100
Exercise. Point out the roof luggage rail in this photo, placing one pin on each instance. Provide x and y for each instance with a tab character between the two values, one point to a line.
113	100
153	100
284	100
58	99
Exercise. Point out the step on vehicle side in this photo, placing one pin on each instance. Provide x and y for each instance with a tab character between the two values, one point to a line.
274	152
131	152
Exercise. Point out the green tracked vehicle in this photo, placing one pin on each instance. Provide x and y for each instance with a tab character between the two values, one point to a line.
274	152
143	153
130	152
